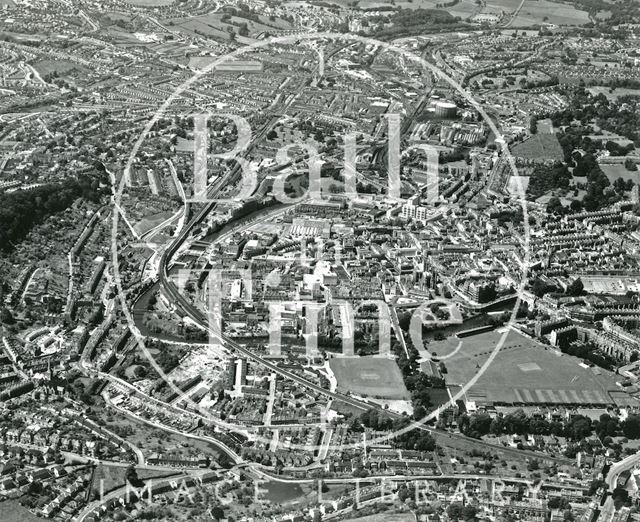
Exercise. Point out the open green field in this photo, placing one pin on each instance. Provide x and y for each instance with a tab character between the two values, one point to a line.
615	94
509	6
149	222
539	147
369	376
12	511
544	11
61	67
107	478
613	172
523	372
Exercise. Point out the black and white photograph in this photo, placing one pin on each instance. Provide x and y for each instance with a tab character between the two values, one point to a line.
320	260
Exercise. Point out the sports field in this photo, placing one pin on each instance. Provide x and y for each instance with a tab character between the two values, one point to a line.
523	372
369	377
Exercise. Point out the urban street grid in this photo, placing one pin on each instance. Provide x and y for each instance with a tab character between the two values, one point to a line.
320	260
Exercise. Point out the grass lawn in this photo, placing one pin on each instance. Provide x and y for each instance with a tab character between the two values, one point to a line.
45	67
149	222
509	6
12	511
617	93
544	11
539	147
107	478
369	376
524	372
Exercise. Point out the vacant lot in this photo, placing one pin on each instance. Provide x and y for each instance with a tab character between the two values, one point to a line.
369	376
524	372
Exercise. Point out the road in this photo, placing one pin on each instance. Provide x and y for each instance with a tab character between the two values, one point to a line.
199	318
204	438
161	405
628	464
94	26
93	506
514	15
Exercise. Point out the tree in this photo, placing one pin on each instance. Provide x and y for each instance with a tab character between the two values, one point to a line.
455	510
469	513
630	165
217	513
579	428
555	206
575	288
6	317
539	287
620	185
576	205
631	427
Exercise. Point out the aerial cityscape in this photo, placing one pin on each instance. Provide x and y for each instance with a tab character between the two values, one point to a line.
320	260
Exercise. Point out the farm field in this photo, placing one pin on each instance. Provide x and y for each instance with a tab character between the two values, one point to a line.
464	9
509	6
523	372
369	376
544	11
